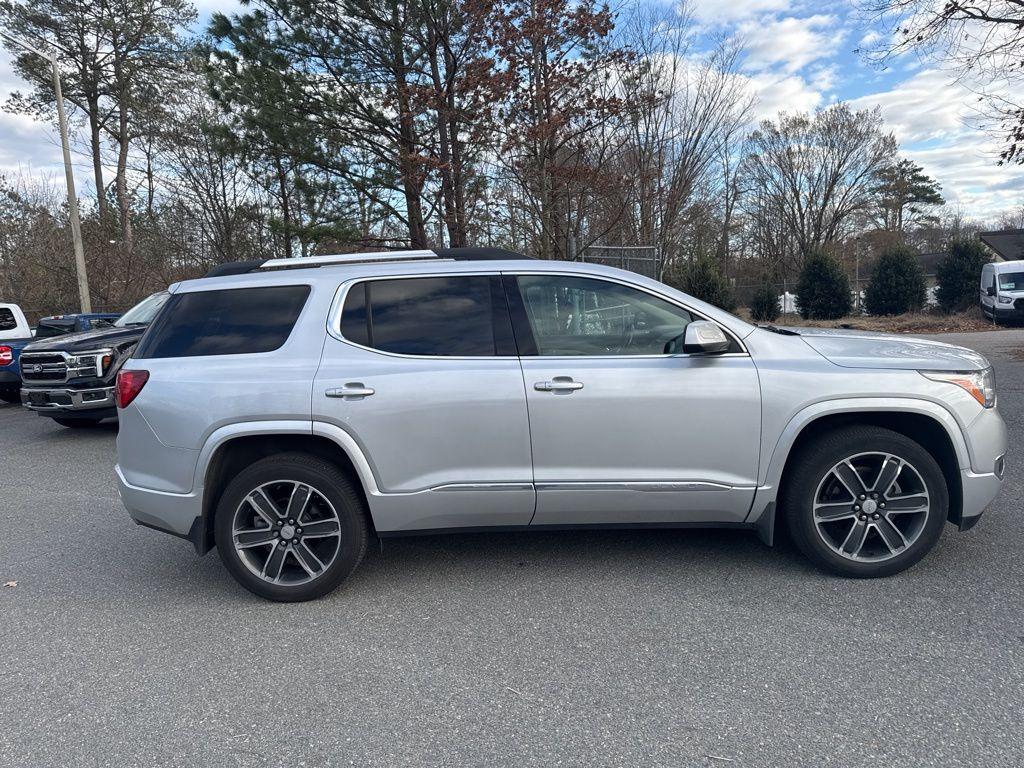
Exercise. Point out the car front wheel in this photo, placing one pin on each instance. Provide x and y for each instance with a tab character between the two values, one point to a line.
291	527
865	502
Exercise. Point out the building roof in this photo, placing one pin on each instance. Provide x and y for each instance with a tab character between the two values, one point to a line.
930	262
1007	243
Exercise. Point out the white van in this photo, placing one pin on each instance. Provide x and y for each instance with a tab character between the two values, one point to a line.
1002	290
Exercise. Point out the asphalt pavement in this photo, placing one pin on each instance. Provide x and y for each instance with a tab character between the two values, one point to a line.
119	647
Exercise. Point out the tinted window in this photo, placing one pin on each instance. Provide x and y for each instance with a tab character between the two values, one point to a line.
230	322
354	325
7	321
439	316
53	328
583	316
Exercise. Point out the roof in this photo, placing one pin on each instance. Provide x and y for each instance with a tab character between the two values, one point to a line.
1007	243
930	262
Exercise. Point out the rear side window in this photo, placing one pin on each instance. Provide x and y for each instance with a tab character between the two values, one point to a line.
456	316
7	321
230	322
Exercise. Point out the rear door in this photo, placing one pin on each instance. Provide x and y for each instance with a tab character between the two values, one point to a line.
422	372
624	432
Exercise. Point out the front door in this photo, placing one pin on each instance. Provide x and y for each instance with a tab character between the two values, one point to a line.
422	373
623	430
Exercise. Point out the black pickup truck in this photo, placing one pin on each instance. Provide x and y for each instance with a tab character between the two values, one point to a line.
70	378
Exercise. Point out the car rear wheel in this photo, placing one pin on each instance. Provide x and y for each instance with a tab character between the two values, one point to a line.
865	502
78	423
291	527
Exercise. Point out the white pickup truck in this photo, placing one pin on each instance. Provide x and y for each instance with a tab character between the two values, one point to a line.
13	324
15	333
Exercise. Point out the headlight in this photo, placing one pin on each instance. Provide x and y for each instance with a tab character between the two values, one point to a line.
1005	300
981	385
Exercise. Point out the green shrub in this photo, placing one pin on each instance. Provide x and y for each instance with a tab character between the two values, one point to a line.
959	275
701	279
764	304
897	283
823	291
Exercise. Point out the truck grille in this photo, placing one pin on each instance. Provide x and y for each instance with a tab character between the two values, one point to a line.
60	367
43	367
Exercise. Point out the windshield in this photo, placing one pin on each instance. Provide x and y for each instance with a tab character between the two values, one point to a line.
143	312
1011	281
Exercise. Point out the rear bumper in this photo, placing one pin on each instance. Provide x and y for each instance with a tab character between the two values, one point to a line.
58	401
9	376
179	514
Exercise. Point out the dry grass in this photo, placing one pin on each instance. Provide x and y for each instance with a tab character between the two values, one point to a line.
912	322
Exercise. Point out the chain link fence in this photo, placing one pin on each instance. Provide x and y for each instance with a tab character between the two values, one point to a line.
642	259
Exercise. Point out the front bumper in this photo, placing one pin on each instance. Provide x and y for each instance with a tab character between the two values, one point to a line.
56	401
179	514
987	442
1008	312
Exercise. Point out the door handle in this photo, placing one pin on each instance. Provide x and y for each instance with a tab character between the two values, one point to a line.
350	390
558	384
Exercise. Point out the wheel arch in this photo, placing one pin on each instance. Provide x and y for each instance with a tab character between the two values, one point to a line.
227	454
927	424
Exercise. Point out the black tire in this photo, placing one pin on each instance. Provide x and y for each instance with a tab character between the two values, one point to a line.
813	468
332	485
78	423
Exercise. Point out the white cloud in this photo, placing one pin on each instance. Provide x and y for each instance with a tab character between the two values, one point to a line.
824	78
925	107
928	113
782	93
790	43
716	12
870	38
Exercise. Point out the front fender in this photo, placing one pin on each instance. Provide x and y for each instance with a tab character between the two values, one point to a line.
771	474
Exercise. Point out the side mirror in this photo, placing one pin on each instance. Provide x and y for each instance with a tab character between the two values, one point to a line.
704	337
991	291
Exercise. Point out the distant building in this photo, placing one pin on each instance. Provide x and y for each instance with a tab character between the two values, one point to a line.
1008	244
930	264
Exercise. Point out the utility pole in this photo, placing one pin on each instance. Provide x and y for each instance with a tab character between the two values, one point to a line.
85	300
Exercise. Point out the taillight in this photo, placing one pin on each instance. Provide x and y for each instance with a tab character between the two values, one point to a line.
6	356
129	384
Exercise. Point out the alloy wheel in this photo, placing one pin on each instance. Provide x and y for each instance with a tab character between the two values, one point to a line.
286	532
871	507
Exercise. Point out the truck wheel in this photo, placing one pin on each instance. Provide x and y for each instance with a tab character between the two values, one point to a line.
291	527
78	423
865	502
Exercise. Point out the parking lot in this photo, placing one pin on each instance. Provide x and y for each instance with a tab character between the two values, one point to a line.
678	648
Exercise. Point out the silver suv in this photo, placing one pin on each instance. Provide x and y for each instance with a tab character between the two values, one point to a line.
289	411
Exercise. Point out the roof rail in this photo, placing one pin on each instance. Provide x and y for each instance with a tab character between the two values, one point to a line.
349	258
441	254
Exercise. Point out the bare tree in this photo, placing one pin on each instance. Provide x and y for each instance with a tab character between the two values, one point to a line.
689	109
982	41
811	174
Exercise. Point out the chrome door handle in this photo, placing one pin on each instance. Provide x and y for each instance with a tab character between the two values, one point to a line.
350	390
558	384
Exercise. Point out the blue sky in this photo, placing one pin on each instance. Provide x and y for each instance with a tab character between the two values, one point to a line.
799	56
